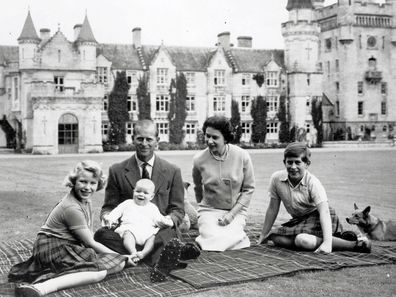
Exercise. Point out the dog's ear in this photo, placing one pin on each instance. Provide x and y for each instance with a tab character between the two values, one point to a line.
366	210
355	206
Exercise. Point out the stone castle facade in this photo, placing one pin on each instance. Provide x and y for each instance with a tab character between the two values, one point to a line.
54	92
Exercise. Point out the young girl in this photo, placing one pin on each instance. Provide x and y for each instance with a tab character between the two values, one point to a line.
65	253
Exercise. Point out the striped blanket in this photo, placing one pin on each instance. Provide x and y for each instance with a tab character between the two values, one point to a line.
209	270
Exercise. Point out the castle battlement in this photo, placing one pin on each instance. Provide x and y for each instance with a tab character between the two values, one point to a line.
50	89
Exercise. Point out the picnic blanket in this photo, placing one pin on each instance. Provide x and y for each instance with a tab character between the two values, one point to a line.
209	270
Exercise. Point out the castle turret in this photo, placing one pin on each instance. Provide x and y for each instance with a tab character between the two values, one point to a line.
301	35
86	43
28	41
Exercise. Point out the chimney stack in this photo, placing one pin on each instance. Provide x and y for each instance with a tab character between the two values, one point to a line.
44	34
318	4
136	37
224	40
77	29
245	41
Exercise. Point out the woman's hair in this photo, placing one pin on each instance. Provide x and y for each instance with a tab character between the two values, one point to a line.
297	149
88	165
222	124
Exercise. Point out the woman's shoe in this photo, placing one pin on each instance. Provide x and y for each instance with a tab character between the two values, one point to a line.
26	290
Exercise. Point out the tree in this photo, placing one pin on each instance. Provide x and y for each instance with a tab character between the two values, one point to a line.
118	109
259	78
177	109
259	116
317	118
143	98
236	121
284	136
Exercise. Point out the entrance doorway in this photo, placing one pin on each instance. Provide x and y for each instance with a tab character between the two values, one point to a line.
68	134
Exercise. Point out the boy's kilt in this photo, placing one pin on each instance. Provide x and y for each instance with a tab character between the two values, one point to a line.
54	256
309	224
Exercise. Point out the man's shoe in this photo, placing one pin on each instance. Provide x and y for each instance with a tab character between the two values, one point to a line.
26	290
363	245
168	260
190	251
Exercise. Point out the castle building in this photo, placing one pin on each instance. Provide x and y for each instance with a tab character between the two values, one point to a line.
346	54
54	92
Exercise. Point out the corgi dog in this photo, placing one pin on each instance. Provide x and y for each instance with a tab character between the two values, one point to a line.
371	226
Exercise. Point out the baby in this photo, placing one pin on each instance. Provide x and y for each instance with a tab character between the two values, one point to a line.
138	219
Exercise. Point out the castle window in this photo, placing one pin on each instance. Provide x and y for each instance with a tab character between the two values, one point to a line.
190	129
245	103
328	44
337	108
245	79
131	103
129	128
15	88
59	56
272	103
105	102
162	128
308	106
328	68
101	74
272	128
360	108
162	103
219	77
337	85
271	78
246	128
383	108
131	77
360	87
162	76
190	77
190	103
105	129
337	65
59	86
384	88
219	103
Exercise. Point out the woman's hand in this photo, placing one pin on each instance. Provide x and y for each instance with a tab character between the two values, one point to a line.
263	239
226	219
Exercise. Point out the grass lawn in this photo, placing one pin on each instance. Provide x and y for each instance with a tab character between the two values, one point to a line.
31	185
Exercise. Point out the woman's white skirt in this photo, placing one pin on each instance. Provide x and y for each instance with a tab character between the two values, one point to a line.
213	237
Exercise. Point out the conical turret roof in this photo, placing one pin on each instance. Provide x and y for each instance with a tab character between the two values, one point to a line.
28	31
86	34
298	4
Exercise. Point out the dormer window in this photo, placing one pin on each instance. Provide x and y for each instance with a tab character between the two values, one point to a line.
271	79
101	74
219	77
162	76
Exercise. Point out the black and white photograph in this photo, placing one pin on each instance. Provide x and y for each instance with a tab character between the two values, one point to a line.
198	148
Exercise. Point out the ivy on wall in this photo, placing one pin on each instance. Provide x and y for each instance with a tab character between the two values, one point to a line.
259	116
143	98
284	134
236	121
317	118
118	109
177	109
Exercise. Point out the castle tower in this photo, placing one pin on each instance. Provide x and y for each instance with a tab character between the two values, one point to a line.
301	35
28	41
86	43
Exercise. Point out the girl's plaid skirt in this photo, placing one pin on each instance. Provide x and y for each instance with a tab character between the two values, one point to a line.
309	224
55	256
